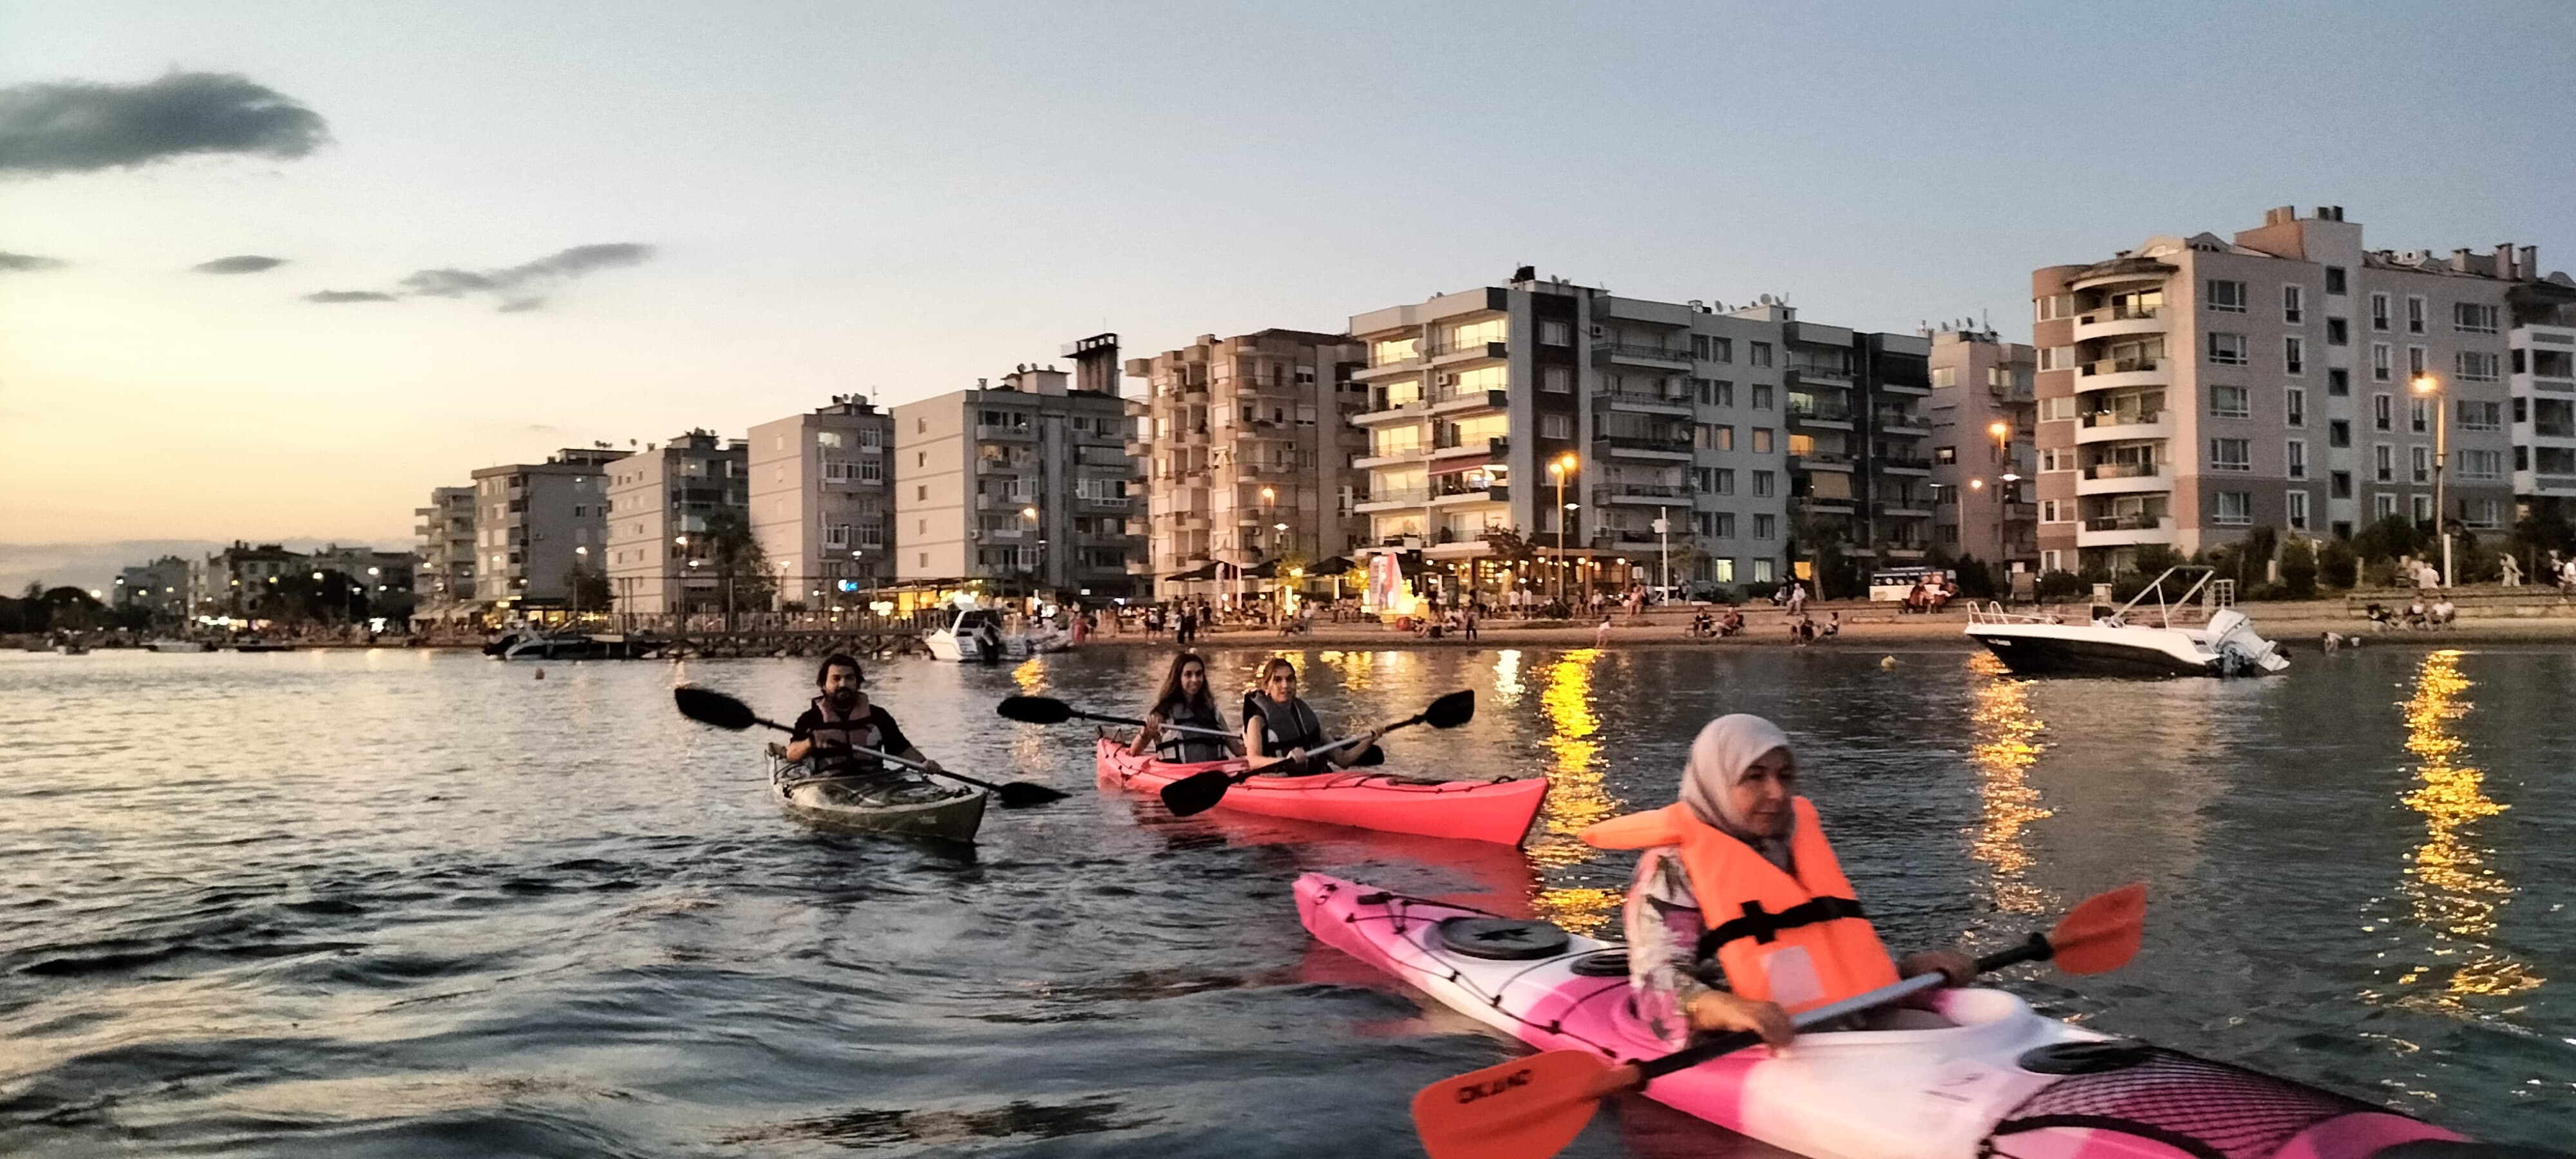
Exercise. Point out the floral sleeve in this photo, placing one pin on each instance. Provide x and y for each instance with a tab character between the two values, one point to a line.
1663	927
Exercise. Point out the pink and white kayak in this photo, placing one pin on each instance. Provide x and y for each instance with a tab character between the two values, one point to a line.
1490	810
2000	1081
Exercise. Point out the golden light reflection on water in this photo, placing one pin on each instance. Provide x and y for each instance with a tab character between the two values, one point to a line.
2007	744
1031	675
1508	686
2450	889
1357	670
1577	795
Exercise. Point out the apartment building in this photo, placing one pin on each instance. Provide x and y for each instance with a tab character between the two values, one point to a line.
2195	387
389	578
822	501
660	502
1982	416
160	587
1025	484
1244	447
534	522
2543	386
234	581
445	576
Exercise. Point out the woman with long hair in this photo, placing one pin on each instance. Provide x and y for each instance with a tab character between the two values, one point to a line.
1184	700
1279	726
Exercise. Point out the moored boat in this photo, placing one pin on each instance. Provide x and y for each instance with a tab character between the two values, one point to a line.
575	646
260	644
2173	637
899	806
176	645
1497	809
2000	1080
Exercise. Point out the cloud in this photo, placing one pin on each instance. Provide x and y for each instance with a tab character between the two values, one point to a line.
526	286
333	297
21	263
239	264
81	126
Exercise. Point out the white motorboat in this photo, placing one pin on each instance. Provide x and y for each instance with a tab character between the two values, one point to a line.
2177	637
966	635
174	645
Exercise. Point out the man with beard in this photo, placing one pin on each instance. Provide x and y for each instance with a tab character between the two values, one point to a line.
842	720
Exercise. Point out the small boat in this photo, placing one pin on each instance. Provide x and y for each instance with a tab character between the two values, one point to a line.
68	648
962	639
2172	638
257	644
531	645
1999	1080
175	645
900	806
1498	809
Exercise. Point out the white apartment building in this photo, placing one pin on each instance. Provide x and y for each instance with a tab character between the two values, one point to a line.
389	578
535	522
659	503
2195	387
1246	447
822	501
160	587
1022	485
237	580
446	531
1981	415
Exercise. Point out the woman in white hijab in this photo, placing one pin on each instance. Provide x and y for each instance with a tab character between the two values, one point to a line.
1736	877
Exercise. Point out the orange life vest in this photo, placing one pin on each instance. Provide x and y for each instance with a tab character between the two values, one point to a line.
1797	940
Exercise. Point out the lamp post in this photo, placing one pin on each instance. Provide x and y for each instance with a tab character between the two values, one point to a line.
2431	387
1664	537
1557	469
1037	573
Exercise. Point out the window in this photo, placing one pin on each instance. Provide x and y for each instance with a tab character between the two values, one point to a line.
1765	526
2339	484
1761	394
1725	392
1725	525
2053	307
1761	354
2379	363
2338	332
2231	455
2230	402
1945	376
2298	510
2234	509
2383	412
2226	297
2294	300
1762	571
2057	358
2473	317
2383	463
2419	415
2334	279
2480	416
2414	313
2294	355
1555	332
2295	459
2379	312
2477	365
2383	504
2482	513
821	439
2414	362
921	494
1725	481
1945	455
2294	407
2227	349
2423	463
1723	437
1762	482
2338	382
1761	440
2481	465
2057	409
2423	508
1556	426
1556	379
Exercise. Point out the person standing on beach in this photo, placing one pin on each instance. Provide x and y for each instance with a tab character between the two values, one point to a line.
1601	634
1797	597
1468	616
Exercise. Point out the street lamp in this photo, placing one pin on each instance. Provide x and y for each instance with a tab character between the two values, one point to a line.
1557	469
2426	384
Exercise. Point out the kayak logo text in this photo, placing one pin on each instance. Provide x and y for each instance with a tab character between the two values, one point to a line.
1474	1091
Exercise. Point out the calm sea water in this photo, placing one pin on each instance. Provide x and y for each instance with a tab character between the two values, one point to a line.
399	903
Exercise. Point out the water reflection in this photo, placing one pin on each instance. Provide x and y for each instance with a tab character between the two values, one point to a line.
2006	746
1577	795
2451	890
1031	675
1508	687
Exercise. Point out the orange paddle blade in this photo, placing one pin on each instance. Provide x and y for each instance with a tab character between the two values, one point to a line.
1528	1108
2103	933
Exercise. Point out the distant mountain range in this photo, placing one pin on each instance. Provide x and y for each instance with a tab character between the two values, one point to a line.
95	565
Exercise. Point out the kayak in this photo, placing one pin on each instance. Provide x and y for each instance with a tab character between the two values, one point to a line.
2001	1080
900	806
1500	809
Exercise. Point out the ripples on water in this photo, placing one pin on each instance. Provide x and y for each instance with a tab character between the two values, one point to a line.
404	903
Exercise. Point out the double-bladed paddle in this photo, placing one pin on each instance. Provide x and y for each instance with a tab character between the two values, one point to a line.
1049	710
708	706
1199	792
1530	1108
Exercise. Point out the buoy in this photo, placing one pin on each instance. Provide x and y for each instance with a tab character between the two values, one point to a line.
1887	661
541	673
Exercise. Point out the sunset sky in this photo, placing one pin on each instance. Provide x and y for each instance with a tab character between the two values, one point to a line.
444	236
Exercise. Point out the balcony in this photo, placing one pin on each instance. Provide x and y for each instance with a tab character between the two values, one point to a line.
1450	446
1823	414
1006	431
2114	373
2107	426
1382	371
1452	399
1455	491
1904	509
1644	401
2124	478
1647	494
1388	405
1640	355
1900	386
1642	447
1393	457
1902	426
2124	530
2116	321
1002	466
1820	461
1898	465
1392	500
1820	372
1450	353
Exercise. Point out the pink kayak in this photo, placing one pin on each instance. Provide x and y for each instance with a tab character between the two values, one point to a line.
1491	810
2000	1081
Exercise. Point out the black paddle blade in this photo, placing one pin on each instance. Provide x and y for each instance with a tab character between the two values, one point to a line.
1035	709
708	706
1197	792
1369	757
1452	710
1021	794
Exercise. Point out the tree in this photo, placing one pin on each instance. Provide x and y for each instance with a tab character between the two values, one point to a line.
740	566
586	590
2336	564
1976	580
2299	568
2057	587
2392	536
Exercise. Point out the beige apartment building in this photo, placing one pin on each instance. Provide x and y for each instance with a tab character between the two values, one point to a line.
2196	387
821	494
534	522
1982	417
1245	447
659	503
1024	486
445	577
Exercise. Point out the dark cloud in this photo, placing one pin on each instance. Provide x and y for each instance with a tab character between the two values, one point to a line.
334	297
525	286
80	126
20	263
239	264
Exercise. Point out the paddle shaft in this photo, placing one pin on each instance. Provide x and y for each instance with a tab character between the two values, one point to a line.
1104	718
1647	1070
887	757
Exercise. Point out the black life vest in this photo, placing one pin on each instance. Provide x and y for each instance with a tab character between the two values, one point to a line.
1187	747
1284	727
